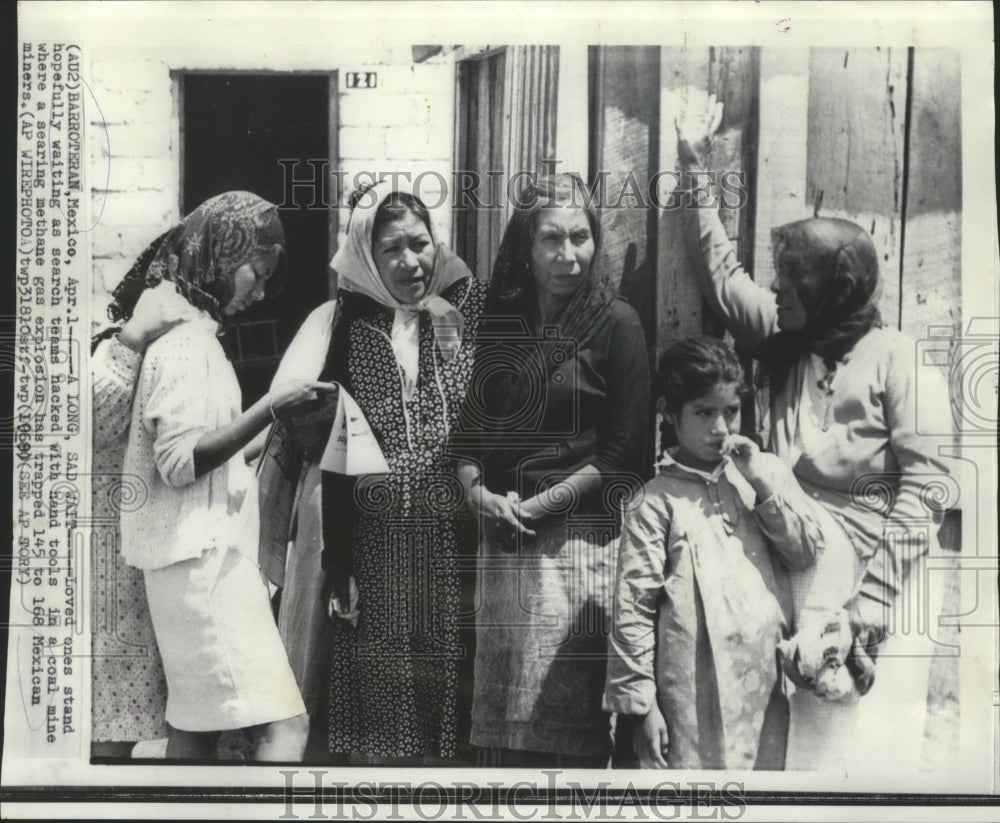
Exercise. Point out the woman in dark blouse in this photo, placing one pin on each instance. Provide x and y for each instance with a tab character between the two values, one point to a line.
553	442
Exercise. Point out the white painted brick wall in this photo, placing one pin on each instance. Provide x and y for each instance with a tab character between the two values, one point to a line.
404	125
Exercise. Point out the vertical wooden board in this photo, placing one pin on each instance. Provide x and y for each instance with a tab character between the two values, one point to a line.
855	149
932	240
627	143
780	181
480	152
678	299
731	73
495	215
534	104
781	153
572	135
552	63
734	79
334	193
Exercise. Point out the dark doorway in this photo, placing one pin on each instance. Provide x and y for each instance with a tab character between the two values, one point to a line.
235	128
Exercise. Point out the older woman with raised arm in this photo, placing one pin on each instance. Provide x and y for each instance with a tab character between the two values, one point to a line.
843	415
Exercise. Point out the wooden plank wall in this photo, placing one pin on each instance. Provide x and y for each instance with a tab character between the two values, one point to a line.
734	78
625	121
679	309
932	252
871	135
731	73
781	140
480	149
855	149
531	87
931	274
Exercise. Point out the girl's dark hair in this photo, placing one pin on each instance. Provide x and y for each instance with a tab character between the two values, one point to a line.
692	367
834	266
396	205
512	271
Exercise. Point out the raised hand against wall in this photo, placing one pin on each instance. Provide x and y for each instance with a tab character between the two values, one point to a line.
699	118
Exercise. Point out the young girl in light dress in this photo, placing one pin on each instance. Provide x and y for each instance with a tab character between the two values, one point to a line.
702	596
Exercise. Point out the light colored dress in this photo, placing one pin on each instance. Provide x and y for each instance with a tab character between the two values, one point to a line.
702	600
129	691
196	539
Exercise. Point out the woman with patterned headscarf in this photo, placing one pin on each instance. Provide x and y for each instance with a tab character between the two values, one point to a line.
195	534
125	660
843	415
372	585
554	439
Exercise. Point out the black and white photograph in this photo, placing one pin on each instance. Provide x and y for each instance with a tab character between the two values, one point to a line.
503	411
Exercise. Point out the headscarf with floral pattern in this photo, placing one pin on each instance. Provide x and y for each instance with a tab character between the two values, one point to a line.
202	253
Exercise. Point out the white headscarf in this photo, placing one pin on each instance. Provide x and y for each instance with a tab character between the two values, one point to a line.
357	272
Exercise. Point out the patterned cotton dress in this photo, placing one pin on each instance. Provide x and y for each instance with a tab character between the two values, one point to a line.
394	688
129	688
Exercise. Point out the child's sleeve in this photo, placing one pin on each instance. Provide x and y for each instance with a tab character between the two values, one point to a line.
631	679
787	519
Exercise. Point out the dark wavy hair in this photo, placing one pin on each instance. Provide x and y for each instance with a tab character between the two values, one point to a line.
692	367
834	267
511	277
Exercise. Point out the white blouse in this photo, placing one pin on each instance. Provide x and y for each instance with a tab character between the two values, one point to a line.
187	388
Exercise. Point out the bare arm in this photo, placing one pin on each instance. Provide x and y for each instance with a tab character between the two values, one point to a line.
216	447
746	308
559	497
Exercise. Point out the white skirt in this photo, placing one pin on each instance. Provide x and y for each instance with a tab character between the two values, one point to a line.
882	733
225	664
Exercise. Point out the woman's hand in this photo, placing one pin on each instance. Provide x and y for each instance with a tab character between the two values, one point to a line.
156	312
341	606
652	741
699	119
216	447
869	619
295	393
749	460
530	510
497	514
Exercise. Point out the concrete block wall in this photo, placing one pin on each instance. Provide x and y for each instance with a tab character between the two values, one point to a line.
404	125
133	169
